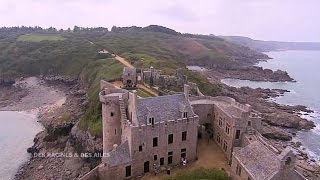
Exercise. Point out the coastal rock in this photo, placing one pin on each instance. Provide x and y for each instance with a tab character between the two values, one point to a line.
252	73
59	130
84	140
287	120
60	79
275	133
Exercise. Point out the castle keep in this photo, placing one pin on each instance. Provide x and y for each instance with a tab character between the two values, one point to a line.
142	135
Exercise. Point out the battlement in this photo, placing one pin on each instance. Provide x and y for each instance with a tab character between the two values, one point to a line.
110	94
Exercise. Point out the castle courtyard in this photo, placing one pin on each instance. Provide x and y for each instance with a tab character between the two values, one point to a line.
209	156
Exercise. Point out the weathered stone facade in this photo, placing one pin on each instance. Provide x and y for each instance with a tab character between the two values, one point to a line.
138	138
129	76
258	161
152	77
142	135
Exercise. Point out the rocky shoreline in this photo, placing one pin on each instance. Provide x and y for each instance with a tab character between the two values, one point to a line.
281	122
252	73
59	104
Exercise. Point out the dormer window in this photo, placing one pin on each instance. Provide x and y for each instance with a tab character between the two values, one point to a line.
185	114
151	121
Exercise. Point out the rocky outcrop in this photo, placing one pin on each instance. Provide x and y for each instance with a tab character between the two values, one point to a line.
84	141
287	120
252	73
271	132
59	79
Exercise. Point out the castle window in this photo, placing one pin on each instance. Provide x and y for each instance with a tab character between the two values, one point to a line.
227	128
128	171
140	148
115	131
220	122
218	138
183	153
111	114
237	134
170	138
155	142
151	121
249	178
155	157
170	157
184	136
225	146
238	170
185	115
249	123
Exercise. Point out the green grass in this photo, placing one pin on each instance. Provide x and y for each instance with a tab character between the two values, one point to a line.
200	174
103	69
142	93
40	37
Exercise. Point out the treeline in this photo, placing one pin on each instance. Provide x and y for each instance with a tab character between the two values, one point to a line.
38	29
89	30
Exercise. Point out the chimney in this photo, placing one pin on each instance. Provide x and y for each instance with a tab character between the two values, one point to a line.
186	89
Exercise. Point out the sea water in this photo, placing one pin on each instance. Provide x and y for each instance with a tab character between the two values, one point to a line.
17	131
304	67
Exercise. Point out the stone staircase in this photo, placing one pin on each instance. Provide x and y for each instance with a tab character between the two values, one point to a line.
123	110
250	130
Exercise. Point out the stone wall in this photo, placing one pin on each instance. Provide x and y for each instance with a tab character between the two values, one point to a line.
144	136
244	175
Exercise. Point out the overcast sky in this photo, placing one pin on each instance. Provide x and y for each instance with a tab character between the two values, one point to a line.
286	20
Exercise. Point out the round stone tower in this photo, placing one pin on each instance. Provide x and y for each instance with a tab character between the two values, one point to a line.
111	118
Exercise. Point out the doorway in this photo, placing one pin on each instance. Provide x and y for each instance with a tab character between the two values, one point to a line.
146	166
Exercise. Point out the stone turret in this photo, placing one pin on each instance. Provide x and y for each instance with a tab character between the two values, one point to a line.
111	117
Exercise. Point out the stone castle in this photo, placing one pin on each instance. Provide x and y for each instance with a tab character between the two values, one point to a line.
153	77
142	135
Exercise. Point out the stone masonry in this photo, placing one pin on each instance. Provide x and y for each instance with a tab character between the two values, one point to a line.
142	135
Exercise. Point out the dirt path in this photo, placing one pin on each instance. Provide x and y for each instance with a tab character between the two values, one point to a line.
141	86
123	61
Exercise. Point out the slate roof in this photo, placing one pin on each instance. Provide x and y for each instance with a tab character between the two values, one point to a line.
229	109
119	156
258	160
163	108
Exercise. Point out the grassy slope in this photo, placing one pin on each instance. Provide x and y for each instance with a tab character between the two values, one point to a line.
106	69
162	51
40	37
77	57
